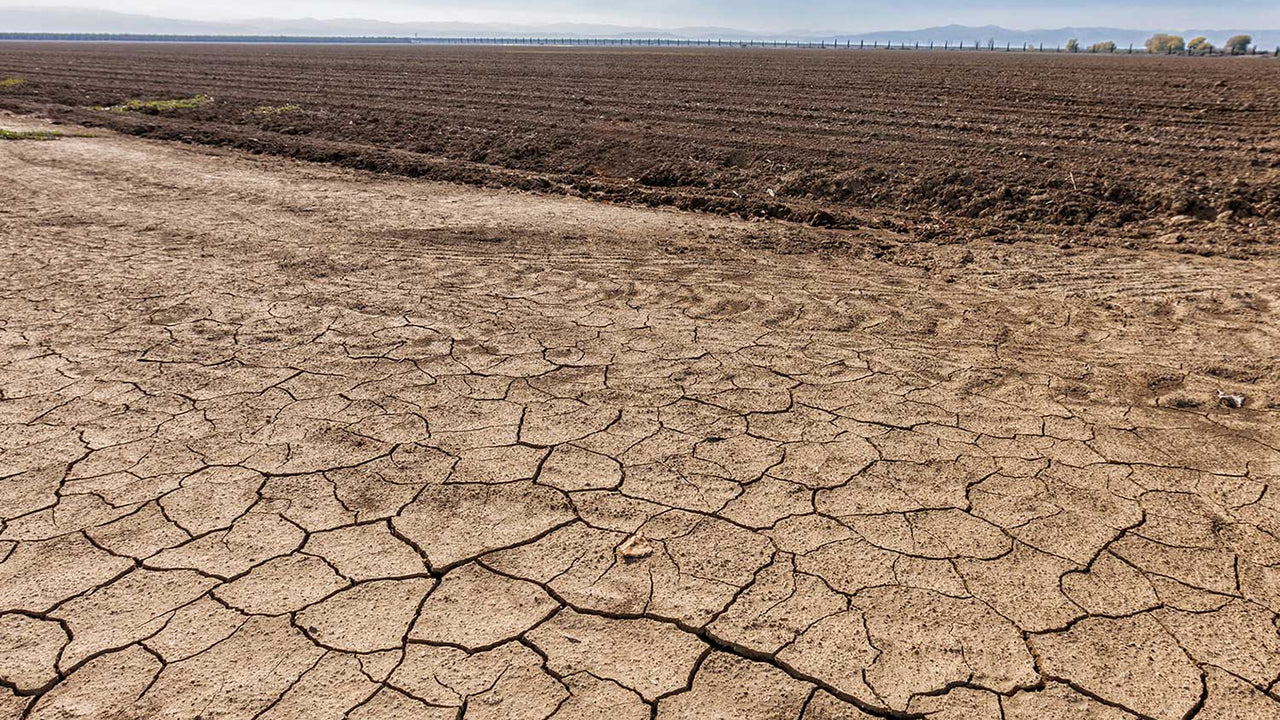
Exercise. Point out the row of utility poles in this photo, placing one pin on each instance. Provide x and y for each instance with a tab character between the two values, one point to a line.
848	44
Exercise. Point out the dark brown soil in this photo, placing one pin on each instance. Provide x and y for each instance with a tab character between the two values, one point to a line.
1169	151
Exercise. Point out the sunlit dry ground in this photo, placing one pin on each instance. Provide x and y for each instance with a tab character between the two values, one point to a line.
286	441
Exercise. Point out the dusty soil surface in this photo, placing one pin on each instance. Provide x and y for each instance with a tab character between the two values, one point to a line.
283	440
939	146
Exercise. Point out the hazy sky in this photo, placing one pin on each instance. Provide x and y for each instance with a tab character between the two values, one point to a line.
852	15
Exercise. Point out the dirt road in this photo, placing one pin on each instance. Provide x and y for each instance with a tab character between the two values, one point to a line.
288	441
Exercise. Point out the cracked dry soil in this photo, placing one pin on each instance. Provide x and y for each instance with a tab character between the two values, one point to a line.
287	441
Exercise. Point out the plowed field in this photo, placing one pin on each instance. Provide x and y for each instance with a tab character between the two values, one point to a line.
1174	151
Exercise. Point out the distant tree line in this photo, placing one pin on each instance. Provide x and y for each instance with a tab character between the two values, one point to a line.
1165	44
1161	43
1200	46
1073	45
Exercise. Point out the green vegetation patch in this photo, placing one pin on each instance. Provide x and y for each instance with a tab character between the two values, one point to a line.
152	107
29	134
12	82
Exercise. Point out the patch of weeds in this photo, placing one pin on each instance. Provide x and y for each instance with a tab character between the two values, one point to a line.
12	82
29	134
275	109
155	107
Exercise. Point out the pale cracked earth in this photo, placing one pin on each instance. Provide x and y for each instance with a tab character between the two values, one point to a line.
283	441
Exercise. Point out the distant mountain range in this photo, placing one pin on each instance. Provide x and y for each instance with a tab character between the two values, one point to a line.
81	20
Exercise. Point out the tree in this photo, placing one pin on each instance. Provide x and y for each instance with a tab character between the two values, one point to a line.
1073	45
1200	46
1238	45
1103	47
1161	43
